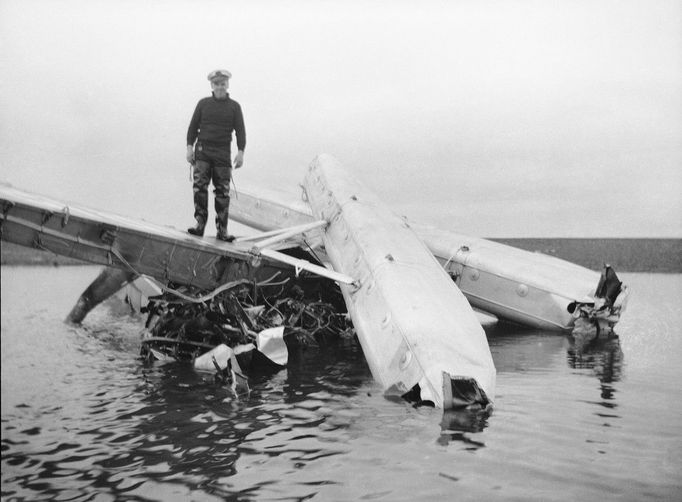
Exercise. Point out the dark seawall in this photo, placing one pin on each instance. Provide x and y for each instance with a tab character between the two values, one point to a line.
625	255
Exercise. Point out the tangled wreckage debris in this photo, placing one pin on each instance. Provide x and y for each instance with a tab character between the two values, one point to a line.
245	327
598	317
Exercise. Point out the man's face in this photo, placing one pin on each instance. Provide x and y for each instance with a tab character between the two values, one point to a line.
219	87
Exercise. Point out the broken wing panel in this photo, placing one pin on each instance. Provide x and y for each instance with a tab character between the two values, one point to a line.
164	253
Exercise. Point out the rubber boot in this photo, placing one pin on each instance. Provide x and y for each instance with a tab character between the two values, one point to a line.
222	206
198	229
223	235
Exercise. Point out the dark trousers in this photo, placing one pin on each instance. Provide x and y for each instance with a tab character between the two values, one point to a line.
205	172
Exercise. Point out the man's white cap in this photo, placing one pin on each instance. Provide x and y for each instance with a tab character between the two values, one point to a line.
219	74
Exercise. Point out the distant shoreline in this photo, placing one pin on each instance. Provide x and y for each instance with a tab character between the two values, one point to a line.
625	255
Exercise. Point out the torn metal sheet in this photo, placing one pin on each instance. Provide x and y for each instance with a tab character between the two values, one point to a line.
598	316
223	361
137	292
270	343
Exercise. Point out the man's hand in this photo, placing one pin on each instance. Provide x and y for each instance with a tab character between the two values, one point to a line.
239	160
190	154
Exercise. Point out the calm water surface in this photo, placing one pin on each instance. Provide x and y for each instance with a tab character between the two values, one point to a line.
84	419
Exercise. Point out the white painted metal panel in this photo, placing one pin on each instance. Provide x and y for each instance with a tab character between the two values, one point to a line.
412	321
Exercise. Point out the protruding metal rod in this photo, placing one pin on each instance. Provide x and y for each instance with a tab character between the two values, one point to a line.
306	265
275	237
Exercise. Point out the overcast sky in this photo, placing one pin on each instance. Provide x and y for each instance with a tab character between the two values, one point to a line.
493	118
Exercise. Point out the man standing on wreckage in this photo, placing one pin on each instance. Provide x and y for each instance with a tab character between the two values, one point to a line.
211	127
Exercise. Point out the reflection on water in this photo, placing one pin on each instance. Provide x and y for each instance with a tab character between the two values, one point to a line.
520	349
84	419
455	423
205	430
604	357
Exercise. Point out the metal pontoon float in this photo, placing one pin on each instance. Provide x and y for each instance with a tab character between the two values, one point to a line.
418	332
532	289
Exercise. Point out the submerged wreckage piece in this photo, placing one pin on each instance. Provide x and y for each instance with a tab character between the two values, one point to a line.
243	331
419	335
532	289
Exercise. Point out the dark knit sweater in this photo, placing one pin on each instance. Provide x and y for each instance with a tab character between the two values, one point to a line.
213	122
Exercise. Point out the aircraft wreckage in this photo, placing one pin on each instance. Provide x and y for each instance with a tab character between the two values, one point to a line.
408	290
